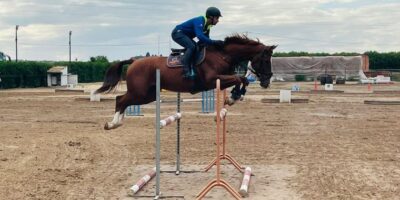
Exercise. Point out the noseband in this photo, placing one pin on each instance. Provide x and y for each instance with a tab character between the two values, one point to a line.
263	77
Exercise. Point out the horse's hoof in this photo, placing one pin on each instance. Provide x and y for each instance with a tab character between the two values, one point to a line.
241	98
229	101
106	127
109	126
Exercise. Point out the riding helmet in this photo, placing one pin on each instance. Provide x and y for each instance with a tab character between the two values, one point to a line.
213	12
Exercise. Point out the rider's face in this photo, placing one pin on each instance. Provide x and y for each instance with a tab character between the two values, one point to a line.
214	20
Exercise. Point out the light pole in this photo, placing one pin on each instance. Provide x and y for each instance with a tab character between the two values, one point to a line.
16	43
70	33
158	45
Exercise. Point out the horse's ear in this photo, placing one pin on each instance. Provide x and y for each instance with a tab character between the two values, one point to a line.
273	47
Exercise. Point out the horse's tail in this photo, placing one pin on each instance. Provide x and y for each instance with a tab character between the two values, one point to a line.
113	76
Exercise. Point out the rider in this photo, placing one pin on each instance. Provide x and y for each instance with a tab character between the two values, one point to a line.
199	27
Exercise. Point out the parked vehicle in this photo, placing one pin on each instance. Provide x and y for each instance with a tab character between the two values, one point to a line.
4	57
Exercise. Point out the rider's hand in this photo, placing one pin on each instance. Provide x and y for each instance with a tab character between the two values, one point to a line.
218	43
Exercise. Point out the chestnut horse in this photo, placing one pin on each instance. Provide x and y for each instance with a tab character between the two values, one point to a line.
218	64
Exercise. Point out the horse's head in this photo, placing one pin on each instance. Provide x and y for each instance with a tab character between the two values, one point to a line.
242	48
261	65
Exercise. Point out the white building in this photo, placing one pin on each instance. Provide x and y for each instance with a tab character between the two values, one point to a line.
58	76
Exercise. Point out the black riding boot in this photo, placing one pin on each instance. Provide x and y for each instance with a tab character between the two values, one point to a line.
188	72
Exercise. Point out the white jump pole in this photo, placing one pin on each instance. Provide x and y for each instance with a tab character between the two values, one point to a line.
244	187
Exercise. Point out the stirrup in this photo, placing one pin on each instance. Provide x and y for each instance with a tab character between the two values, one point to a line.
189	75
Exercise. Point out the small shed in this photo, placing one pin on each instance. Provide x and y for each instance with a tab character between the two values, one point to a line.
57	76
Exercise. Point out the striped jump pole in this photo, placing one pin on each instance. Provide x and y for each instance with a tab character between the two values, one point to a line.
145	179
218	181
167	121
244	187
178	134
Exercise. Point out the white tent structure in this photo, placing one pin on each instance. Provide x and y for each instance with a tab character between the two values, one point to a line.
286	68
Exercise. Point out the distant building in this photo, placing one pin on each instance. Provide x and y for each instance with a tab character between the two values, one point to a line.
58	76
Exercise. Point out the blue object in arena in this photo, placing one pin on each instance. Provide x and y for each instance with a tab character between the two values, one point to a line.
251	78
295	88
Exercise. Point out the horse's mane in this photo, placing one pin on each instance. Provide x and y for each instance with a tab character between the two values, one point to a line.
240	39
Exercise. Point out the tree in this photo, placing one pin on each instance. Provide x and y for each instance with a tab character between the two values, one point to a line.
387	61
99	59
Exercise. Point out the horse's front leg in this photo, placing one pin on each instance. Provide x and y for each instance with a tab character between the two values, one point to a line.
245	84
237	92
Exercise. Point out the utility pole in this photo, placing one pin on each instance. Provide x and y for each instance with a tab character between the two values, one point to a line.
158	46
16	43
70	33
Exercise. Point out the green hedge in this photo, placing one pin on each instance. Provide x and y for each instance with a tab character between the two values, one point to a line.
383	61
23	74
28	74
88	71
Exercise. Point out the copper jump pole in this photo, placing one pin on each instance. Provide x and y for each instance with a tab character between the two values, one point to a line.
218	181
224	155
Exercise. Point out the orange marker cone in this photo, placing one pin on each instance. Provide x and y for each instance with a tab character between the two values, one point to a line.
315	85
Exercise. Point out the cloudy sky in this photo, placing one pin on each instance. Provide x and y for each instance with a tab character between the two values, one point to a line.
120	29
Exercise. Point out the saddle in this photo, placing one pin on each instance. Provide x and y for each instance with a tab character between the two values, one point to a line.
174	60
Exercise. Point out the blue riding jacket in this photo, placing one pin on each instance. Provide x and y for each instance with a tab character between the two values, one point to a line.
195	27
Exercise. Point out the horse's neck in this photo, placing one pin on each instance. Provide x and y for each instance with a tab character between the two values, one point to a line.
241	53
238	54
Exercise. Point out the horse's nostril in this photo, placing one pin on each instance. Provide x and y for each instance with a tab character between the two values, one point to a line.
264	85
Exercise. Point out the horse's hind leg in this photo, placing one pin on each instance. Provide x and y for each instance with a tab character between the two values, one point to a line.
121	103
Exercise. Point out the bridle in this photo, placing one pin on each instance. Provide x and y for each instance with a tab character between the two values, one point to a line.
261	65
